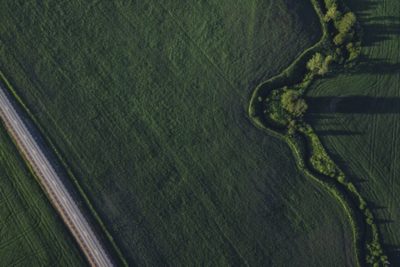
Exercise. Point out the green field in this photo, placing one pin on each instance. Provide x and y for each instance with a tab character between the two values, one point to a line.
31	234
357	116
147	104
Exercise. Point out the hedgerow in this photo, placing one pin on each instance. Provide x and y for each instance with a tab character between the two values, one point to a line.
282	113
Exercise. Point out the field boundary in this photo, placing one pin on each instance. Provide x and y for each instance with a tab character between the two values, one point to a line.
60	158
310	155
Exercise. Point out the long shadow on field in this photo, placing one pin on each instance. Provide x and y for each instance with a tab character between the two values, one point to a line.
367	65
393	253
332	127
380	29
374	66
375	28
363	8
353	104
337	132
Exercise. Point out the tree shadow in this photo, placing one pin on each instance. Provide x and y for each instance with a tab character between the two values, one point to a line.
375	29
343	165
379	29
335	132
353	105
365	65
393	252
374	206
363	8
327	123
383	221
374	66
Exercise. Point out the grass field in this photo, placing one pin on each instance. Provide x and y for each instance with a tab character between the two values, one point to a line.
357	116
31	234
147	103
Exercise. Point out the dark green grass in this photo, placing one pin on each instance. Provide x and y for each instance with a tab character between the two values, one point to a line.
363	131
31	234
147	103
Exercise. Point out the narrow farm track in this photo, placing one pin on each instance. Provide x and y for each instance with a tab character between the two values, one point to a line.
52	184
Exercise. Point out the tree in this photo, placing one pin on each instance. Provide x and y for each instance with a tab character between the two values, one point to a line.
332	13
354	50
330	3
315	63
293	103
339	39
291	127
319	64
345	27
346	24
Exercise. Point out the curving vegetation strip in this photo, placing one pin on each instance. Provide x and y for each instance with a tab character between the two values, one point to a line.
277	106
